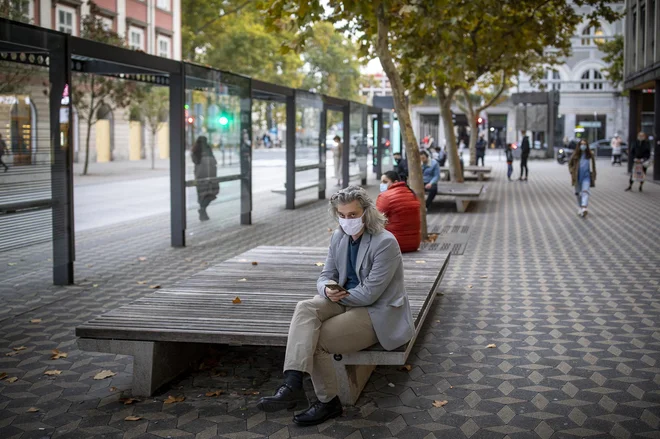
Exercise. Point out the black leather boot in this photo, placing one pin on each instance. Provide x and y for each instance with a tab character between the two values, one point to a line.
319	412
286	397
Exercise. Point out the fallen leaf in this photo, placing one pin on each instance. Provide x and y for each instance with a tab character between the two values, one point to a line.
320	264
35	321
214	393
142	258
236	301
104	374
242	280
12	379
57	354
53	372
90	265
11	264
95	286
172	399
420	262
330	230
407	367
3	375
141	282
440	403
255	263
11	354
154	287
32	410
390	384
129	401
432	237
483	277
20	348
132	418
113	389
491	346
470	286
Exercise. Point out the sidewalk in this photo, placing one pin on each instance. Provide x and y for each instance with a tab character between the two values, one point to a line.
572	305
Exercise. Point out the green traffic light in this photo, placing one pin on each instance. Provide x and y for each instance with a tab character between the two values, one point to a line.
187	107
223	120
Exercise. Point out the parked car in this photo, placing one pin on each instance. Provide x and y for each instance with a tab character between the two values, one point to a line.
601	148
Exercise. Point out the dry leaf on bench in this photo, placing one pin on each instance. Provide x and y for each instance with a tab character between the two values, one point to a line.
154	287
407	367
20	348
3	375
483	277
214	393
330	230
255	263
11	264
11	354
32	410
104	374
141	282
129	401
53	372
113	389
132	418
440	403
172	399
470	286
236	301
420	262
12	379
95	286
57	354
242	280
142	258
35	321
320	264
491	346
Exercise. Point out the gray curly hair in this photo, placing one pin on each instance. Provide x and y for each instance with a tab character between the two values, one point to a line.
374	221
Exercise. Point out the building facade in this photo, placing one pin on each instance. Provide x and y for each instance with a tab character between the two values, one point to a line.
642	72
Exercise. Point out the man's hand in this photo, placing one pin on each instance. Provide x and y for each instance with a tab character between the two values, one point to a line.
428	186
335	295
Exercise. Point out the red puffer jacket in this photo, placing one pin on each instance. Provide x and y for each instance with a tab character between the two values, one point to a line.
401	207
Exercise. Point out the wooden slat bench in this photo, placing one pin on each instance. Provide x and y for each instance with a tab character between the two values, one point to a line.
463	193
169	328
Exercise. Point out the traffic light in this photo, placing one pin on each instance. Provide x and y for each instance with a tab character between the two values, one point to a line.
480	120
190	120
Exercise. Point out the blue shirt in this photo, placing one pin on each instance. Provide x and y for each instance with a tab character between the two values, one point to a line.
431	172
352	280
584	171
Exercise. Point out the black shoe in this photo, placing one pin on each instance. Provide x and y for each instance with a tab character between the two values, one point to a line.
319	412
628	189
203	216
285	398
640	188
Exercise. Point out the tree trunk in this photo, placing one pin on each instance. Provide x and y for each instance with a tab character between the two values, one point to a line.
474	132
89	125
445	99
402	108
153	148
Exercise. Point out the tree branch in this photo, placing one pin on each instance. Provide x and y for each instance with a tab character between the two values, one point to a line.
496	96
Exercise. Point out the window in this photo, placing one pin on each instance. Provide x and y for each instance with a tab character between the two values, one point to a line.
592	35
552	79
591	80
24	11
136	38
163	4
642	32
164	44
66	19
106	22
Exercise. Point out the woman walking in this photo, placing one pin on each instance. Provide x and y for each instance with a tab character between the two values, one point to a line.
401	207
582	167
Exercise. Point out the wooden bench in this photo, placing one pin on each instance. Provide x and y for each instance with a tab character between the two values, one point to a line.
463	193
166	330
298	189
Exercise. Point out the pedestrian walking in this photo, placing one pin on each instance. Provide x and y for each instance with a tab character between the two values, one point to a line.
336	155
616	150
401	207
582	167
524	148
3	150
481	150
206	171
442	156
509	160
640	154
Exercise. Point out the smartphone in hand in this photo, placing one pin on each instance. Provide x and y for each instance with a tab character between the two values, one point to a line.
336	287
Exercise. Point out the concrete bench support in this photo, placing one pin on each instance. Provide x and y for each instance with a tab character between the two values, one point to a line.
154	363
351	379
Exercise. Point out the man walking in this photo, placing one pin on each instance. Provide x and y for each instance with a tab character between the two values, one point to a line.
524	148
431	175
3	149
640	154
481	150
361	300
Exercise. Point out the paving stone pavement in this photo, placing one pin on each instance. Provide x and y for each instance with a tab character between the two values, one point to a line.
572	306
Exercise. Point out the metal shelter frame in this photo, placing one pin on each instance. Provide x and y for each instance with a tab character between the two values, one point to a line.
64	54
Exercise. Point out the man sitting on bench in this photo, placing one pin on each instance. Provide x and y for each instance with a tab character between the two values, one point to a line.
361	301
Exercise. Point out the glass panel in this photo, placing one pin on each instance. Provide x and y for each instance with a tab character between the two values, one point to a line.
308	129
359	144
218	146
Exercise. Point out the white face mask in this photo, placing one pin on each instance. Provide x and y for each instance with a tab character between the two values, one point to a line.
351	226
583	147
383	187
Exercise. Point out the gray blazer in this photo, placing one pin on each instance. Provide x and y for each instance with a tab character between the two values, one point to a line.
381	289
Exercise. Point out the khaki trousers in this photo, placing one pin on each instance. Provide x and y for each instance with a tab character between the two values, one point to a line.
319	329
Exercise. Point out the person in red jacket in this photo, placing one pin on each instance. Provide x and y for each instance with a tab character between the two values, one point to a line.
401	207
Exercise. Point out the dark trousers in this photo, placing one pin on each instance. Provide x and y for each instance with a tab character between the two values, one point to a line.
431	195
4	164
480	156
509	171
523	166
616	158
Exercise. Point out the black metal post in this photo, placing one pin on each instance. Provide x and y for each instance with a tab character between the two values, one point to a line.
61	162
363	147
379	145
633	123
346	153
322	153
246	159
291	152
656	134
178	158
